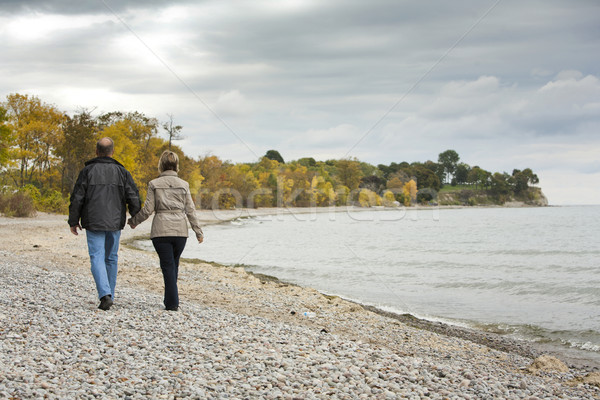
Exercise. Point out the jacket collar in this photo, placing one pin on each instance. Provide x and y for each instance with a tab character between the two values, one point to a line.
103	160
168	173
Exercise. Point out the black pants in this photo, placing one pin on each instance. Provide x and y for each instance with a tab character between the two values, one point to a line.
169	249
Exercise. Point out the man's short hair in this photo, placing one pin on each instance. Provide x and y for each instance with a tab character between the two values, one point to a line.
105	147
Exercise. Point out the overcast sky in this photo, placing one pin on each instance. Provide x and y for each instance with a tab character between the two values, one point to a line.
507	84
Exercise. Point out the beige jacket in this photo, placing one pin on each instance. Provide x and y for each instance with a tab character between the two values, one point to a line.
169	197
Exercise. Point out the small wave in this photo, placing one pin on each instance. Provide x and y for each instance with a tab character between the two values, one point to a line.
587	340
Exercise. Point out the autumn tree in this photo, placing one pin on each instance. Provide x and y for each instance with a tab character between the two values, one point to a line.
389	200
133	135
243	181
5	138
294	186
213	170
322	192
37	129
410	192
368	198
349	173
76	146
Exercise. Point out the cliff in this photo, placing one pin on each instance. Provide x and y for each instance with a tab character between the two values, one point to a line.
533	197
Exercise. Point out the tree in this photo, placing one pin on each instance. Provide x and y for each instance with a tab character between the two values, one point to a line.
212	168
242	180
448	160
426	178
37	128
274	155
373	183
499	186
462	172
174	131
307	162
78	144
389	200
522	179
349	173
479	176
5	138
133	135
410	192
368	198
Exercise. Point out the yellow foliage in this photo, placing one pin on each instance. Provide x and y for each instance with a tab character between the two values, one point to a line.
395	183
368	198
322	193
410	192
388	199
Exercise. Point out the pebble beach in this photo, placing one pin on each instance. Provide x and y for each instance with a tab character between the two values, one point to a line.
236	335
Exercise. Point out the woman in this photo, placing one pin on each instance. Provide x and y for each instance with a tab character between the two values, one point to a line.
170	199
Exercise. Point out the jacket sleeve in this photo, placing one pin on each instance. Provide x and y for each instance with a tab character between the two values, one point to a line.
78	198
148	208
190	211
132	195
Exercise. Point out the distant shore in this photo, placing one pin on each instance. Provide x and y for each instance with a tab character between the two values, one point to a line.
468	359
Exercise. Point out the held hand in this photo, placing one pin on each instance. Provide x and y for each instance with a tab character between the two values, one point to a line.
131	224
74	229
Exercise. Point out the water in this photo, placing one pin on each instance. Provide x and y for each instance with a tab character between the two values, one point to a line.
531	273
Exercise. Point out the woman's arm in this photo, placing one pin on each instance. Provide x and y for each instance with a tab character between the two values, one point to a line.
146	211
190	211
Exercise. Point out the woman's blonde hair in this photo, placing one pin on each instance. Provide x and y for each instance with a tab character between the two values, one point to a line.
168	161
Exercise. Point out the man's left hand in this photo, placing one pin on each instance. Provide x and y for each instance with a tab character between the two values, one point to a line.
74	229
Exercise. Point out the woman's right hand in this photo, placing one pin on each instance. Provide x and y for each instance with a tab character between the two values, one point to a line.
200	239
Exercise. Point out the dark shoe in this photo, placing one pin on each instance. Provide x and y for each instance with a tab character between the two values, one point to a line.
105	302
172	309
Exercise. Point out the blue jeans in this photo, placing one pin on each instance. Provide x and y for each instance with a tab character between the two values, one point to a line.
103	248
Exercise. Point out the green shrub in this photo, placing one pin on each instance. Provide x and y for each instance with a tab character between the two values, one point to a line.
46	201
52	201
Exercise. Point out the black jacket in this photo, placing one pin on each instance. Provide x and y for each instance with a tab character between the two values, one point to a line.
103	192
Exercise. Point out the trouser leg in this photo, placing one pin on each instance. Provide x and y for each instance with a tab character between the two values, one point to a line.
111	246
96	249
169	250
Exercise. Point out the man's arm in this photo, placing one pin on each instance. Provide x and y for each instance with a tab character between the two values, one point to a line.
132	195
77	201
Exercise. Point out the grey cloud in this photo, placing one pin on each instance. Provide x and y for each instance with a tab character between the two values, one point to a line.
71	7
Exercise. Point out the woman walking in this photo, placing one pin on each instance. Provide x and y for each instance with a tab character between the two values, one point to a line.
170	199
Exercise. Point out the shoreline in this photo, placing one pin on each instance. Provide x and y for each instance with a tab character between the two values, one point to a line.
527	348
248	326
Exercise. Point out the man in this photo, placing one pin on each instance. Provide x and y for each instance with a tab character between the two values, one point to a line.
103	191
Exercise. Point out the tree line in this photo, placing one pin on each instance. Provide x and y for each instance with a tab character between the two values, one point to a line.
42	150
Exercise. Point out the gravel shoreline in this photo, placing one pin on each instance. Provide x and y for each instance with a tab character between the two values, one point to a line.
236	336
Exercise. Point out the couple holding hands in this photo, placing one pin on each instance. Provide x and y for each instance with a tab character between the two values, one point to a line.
101	196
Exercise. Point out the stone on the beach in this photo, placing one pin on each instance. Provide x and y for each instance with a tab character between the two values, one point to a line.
548	364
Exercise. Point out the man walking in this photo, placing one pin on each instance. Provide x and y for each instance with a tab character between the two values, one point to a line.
103	191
